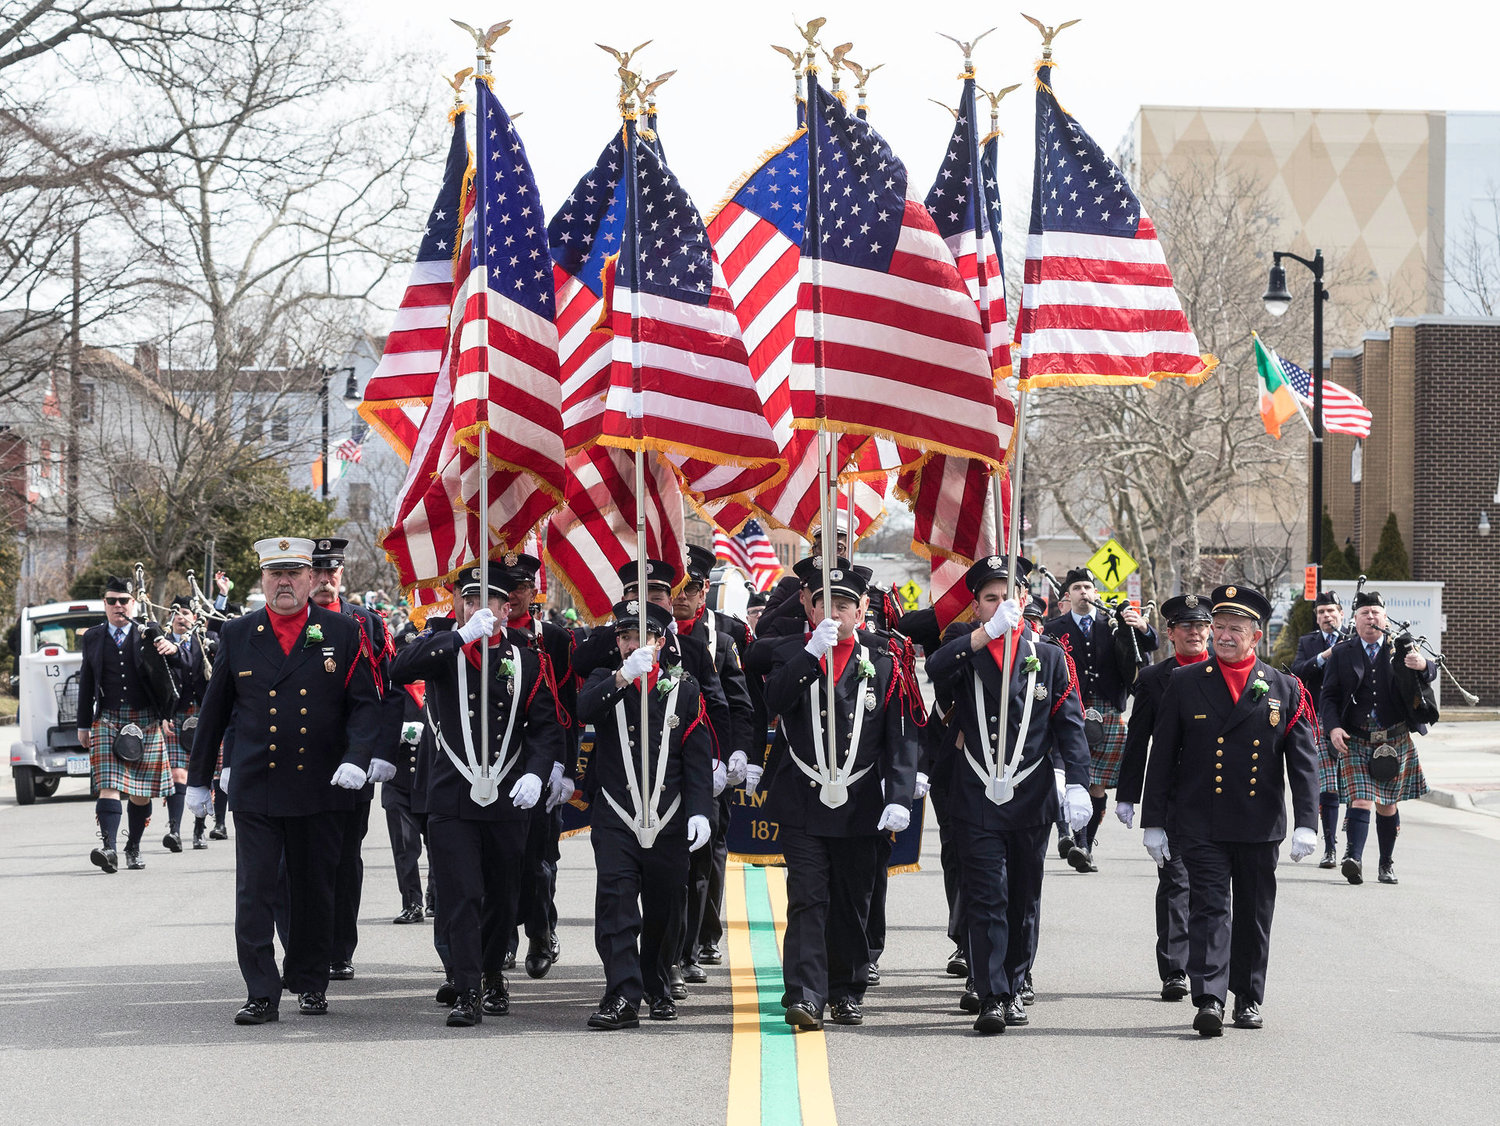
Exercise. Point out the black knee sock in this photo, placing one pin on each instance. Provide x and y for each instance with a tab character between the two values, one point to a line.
1091	834
1328	808
221	805
198	825
175	801
136	817
1357	830
107	810
1386	829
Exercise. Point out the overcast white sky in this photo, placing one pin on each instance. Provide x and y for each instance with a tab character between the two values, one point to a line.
732	95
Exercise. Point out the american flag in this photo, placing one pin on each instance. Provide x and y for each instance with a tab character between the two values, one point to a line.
1097	303
349	450
750	550
888	338
507	386
1344	412
400	390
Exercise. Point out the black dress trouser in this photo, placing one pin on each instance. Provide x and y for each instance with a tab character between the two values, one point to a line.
477	866
311	846
405	829
1172	916
349	883
1002	890
633	903
829	881
1231	898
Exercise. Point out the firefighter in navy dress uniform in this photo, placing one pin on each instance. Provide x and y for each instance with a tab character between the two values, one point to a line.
1001	798
829	800
476	820
641	875
1188	626
1232	733
405	819
295	689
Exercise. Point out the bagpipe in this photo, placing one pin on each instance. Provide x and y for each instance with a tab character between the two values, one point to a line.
1414	692
160	684
1125	639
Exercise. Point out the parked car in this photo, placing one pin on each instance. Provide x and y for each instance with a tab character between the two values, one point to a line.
49	655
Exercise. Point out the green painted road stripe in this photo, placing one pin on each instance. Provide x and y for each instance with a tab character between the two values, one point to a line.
779	1101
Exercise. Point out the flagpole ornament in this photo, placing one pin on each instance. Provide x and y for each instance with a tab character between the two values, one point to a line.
946	106
967	47
861	78
810	34
649	92
836	63
484	41
1048	33
995	99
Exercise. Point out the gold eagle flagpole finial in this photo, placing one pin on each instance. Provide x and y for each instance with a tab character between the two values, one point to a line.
836	62
861	78
649	92
967	47
995	99
484	42
1048	33
630	81
810	34
946	106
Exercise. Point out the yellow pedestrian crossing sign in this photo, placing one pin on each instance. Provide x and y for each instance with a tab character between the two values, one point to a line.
911	595
1111	565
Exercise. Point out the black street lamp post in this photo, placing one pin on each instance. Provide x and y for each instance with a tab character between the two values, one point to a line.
1277	300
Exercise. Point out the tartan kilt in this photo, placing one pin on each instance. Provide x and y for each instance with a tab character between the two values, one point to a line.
1357	785
149	778
1328	768
177	755
1105	759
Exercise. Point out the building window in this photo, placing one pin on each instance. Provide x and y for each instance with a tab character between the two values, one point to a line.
359	501
85	402
253	426
280	431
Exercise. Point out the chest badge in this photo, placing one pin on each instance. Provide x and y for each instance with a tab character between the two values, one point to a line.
1275	706
330	665
673	720
1039	692
870	701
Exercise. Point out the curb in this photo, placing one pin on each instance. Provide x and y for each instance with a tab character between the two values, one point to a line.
1457	799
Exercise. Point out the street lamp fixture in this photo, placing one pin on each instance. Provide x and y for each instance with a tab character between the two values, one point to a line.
352	397
1484	522
1278	300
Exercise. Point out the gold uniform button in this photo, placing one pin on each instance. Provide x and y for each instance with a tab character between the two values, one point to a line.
1220	752
1221	738
273	711
1217	790
273	766
260	629
1252	793
273	731
304	711
1218	778
304	731
299	766
1255	742
1255	754
1208	668
304	691
272	747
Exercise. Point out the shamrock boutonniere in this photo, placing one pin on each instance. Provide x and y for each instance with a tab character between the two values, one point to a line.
507	668
314	636
1031	664
666	684
866	669
1259	687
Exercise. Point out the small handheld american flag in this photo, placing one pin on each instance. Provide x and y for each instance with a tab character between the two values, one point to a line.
750	550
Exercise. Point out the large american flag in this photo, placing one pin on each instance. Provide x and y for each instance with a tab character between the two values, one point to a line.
1097	303
1344	412
397	395
757	233
507	388
750	550
888	338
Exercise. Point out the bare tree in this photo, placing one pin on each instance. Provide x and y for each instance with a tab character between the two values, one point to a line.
1472	266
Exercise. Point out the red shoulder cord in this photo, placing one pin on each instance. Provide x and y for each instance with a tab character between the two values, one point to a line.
545	660
368	654
1304	706
1072	680
699	718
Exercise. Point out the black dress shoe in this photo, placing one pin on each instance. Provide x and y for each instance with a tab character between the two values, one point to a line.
872	975
662	1008
172	842
540	959
615	1013
1175	988
1064	846
1388	873
846	1010
958	963
991	1017
431	910
510	961
676	984
804	1015
1330	858
200	840
447	993
1353	870
1027	994
709	955
1015	1012
969	1002
219	833
341	971
693	974
1248	1016
1210	1019
467	1010
106	858
313	1003
496	1002
133	859
1081	860
409	915
257	1010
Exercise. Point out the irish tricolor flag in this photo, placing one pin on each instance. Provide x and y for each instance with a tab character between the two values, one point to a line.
1277	403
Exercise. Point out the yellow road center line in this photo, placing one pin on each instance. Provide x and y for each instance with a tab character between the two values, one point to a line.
814	1084
744	1048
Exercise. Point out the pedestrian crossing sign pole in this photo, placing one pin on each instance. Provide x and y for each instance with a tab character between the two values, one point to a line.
1111	565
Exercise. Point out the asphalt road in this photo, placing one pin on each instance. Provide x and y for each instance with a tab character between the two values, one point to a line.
116	998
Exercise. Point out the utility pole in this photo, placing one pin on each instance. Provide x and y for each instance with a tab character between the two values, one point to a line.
75	396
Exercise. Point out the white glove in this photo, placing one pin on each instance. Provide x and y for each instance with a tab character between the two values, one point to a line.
919	791
1125	811
224	781
381	771
559	788
1156	845
482	624
737	763
1304	843
1062	786
895	818
639	663
721	777
1080	807
1006	617
752	779
698	832
200	800
824	635
346	777
526	791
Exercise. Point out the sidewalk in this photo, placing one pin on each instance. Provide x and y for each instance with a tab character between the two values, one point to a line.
1462	764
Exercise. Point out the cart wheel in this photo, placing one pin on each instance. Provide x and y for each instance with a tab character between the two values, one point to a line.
25	785
47	784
